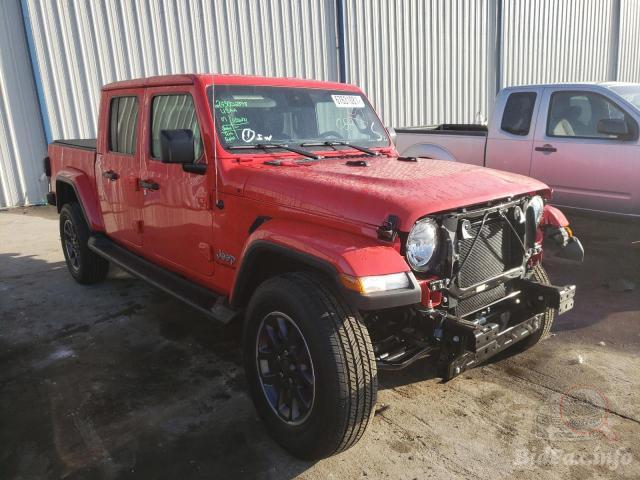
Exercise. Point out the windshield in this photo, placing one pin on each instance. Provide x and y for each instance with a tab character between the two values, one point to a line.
631	93
254	115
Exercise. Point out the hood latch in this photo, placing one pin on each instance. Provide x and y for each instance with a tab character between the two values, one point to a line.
389	229
357	163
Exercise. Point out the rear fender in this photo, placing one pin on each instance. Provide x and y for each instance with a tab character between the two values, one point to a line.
326	250
86	194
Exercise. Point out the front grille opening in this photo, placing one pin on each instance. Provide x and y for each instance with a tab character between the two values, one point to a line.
495	251
492	253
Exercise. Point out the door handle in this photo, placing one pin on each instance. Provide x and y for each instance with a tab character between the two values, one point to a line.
546	148
148	185
110	175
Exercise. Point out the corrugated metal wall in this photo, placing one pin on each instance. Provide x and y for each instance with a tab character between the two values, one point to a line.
555	41
81	45
420	61
22	144
629	56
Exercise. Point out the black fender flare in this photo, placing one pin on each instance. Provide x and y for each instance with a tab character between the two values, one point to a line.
91	213
242	289
252	256
60	204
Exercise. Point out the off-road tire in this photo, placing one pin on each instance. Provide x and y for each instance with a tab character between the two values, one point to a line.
346	381
90	268
539	274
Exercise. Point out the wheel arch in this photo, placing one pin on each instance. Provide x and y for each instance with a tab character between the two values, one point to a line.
65	193
429	150
74	185
286	246
263	260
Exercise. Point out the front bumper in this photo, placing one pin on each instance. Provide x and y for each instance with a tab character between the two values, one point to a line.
466	344
460	344
489	342
548	296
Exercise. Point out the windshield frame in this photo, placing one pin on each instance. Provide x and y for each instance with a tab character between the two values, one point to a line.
622	90
325	151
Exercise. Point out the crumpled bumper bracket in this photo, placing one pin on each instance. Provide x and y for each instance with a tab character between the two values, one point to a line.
467	344
549	296
487	343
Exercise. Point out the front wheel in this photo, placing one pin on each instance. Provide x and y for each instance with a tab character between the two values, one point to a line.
539	274
310	365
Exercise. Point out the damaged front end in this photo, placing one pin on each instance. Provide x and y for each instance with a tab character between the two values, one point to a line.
482	294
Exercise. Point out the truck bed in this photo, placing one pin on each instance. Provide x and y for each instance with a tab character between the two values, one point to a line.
472	129
71	158
86	143
457	142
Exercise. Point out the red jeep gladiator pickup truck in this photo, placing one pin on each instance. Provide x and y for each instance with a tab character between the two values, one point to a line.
283	204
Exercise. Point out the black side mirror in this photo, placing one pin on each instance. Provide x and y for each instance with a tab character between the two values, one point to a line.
176	146
614	126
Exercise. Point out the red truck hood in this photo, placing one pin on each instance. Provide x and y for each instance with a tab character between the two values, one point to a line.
386	186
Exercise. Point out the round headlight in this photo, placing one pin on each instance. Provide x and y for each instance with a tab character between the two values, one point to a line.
537	203
422	243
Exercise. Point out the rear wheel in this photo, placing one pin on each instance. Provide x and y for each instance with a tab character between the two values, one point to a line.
85	266
310	365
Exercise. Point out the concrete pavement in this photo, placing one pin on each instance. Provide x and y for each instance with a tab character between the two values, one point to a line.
118	380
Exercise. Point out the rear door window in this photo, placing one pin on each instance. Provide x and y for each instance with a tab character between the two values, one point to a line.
123	124
518	111
174	112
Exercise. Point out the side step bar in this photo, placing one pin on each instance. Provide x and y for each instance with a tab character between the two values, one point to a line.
200	298
404	358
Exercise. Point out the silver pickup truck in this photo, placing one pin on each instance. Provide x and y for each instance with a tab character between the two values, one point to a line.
580	139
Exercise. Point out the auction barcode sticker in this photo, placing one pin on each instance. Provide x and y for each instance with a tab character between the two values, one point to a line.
348	101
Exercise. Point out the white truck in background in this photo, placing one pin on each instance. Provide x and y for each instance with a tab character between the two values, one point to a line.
580	139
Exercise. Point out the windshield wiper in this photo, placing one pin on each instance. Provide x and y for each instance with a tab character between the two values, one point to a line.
346	144
267	146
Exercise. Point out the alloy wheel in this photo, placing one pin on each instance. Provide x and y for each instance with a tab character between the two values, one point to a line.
285	368
71	245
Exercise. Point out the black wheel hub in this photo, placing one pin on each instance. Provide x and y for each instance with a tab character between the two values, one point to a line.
71	245
285	368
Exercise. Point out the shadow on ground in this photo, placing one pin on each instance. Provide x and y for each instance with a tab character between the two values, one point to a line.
612	254
119	380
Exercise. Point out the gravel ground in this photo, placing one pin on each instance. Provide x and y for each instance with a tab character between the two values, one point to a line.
118	380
